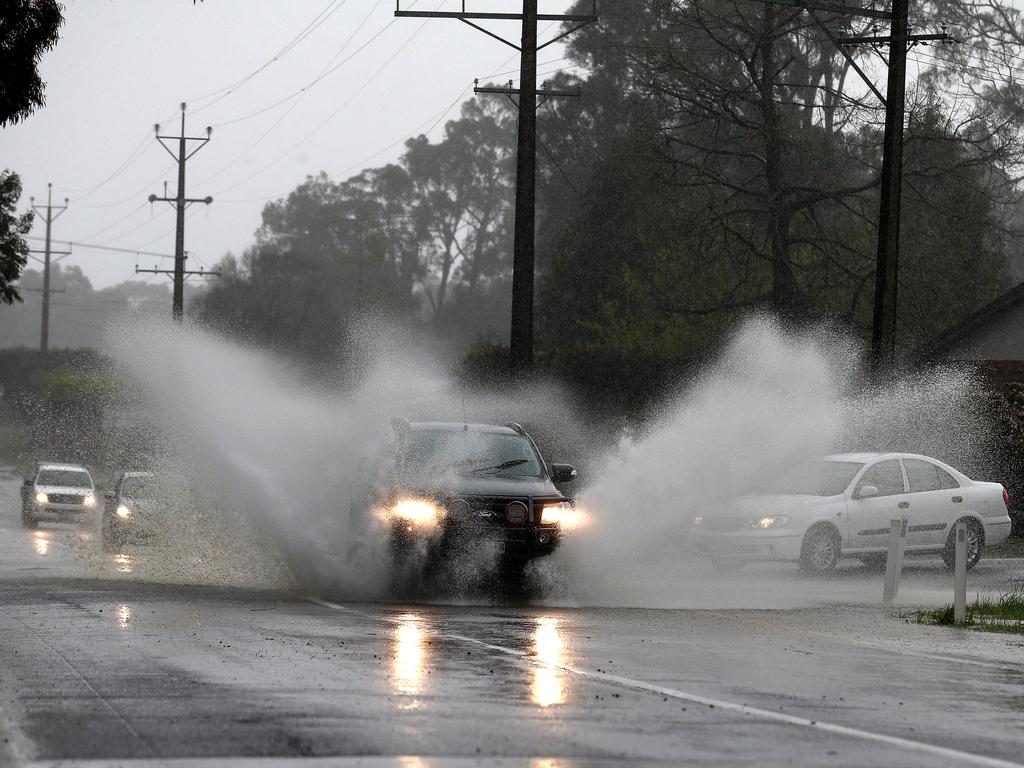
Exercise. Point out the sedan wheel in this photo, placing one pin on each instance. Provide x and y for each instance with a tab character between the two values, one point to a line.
975	544
820	550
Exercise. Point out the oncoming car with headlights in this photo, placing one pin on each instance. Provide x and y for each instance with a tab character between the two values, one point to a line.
127	508
842	505
58	493
455	487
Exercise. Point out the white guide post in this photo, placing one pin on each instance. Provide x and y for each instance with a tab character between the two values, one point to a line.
960	573
894	560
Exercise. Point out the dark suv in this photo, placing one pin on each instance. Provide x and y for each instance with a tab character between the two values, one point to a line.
453	486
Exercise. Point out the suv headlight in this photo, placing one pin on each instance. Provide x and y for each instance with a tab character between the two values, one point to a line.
770	521
89	501
123	512
419	513
564	514
42	498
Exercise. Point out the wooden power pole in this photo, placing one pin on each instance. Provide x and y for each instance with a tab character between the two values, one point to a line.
526	155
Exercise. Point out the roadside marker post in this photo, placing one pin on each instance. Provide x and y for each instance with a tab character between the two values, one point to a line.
960	573
894	560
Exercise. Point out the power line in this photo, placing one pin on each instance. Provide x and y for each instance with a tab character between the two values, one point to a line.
330	117
315	81
288	111
97	247
305	32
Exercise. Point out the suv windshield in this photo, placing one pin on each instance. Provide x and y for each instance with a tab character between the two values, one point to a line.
818	478
470	453
69	478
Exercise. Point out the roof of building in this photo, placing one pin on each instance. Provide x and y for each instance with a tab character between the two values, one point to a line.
992	311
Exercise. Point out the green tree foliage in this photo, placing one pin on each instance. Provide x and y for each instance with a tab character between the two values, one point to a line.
13	228
28	28
725	158
324	254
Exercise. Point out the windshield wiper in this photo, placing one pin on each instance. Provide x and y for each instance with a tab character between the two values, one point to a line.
503	465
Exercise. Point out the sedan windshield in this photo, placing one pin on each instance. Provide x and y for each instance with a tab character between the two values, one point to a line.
471	453
68	478
818	478
137	487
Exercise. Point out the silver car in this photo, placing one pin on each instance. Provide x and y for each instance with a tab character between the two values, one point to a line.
58	492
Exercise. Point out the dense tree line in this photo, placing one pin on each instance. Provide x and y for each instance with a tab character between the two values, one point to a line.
725	158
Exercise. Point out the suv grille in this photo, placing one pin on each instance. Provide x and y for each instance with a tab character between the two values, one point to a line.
65	498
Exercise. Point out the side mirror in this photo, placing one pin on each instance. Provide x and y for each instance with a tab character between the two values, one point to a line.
867	492
28	481
563	473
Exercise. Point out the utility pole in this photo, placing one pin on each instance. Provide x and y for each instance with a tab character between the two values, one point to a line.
899	41
180	203
49	217
526	153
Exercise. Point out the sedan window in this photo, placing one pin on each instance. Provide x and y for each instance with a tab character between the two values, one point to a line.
886	476
925	476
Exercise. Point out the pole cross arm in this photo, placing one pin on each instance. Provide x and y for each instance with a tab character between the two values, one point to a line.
540	92
827	7
939	37
572	18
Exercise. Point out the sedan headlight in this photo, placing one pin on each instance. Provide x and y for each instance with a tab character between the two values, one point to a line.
89	501
42	498
770	521
123	512
417	513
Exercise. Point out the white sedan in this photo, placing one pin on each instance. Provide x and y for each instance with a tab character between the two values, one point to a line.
842	505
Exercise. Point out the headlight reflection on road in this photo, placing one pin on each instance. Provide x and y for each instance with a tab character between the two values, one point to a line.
124	563
41	542
124	615
548	681
408	666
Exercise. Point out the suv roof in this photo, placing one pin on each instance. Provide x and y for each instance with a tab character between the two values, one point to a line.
73	467
460	426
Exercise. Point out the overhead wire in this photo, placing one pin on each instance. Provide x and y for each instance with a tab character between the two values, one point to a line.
305	32
432	121
330	117
287	112
312	83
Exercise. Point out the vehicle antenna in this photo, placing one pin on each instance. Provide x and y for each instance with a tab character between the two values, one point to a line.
465	418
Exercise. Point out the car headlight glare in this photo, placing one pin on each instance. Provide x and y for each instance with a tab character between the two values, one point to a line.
89	501
564	514
42	498
698	520
770	521
419	513
123	512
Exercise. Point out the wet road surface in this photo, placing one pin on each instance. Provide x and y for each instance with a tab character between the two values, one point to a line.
100	669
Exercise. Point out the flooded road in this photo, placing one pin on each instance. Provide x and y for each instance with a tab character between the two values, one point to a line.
100	668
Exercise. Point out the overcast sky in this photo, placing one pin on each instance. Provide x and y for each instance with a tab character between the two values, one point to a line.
123	65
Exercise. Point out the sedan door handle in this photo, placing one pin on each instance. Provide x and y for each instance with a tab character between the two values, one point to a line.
958	499
904	505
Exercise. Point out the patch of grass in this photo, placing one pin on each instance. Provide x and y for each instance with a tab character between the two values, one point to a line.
1004	614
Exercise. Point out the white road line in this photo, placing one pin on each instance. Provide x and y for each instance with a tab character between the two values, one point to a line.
947	658
764	714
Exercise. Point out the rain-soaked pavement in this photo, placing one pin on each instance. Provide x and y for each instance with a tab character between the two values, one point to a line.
100	669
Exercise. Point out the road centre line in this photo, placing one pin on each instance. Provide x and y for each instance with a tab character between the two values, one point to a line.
764	714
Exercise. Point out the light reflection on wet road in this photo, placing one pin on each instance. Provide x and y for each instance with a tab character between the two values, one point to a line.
108	669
